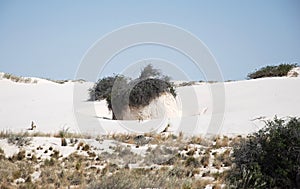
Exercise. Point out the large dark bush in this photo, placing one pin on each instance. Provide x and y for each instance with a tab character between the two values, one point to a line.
103	90
272	71
269	158
120	91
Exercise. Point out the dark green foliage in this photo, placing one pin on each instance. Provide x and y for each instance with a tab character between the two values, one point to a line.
120	91
269	158
146	90
109	88
102	89
272	71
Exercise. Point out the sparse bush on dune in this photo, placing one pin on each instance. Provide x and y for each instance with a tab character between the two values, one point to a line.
269	158
63	133
189	83
272	71
18	79
20	139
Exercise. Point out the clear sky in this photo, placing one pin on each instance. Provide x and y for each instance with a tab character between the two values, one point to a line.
49	38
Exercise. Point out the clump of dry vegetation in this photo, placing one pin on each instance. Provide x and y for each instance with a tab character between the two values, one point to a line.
19	139
18	79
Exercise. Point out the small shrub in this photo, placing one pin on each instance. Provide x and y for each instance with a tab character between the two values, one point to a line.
19	156
86	147
80	144
78	165
55	154
19	139
205	159
34	158
272	71
18	79
49	162
222	142
192	162
189	83
64	132
140	140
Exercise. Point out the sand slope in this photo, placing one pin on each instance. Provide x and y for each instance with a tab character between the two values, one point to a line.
51	106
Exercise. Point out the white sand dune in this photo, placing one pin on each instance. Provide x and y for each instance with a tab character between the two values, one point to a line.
53	106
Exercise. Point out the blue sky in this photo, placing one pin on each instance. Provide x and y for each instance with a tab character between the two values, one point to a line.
49	38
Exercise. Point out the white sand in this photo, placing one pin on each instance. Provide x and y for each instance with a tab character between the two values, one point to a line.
51	107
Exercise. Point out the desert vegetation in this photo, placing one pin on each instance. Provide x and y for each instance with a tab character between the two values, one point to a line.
269	158
18	79
271	71
120	91
114	161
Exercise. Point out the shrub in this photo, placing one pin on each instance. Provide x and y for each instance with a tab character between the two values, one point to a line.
49	162
86	147
124	91
205	160
192	162
270	157
19	156
272	71
18	79
190	83
19	139
64	133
